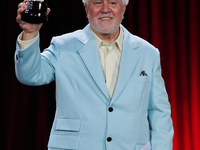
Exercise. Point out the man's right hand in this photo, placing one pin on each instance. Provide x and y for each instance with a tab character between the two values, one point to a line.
29	30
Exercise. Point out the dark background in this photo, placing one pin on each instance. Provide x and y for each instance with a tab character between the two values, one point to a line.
26	113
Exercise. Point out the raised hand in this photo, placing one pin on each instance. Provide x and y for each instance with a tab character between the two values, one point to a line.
30	30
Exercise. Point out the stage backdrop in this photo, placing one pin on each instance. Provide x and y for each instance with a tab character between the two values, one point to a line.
173	26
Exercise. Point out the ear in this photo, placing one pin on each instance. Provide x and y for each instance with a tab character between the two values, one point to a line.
86	9
123	10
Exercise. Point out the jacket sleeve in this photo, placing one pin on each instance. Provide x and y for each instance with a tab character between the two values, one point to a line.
159	112
35	68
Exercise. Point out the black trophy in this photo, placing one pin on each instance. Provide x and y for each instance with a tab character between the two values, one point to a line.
35	12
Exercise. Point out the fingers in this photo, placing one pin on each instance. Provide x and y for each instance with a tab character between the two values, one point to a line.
21	5
25	1
48	11
21	8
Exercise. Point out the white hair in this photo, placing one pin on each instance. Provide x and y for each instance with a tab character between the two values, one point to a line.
123	1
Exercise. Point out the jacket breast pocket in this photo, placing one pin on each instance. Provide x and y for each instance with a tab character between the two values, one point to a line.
67	136
138	90
139	84
140	79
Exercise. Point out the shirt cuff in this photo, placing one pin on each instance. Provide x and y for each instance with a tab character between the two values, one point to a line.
25	44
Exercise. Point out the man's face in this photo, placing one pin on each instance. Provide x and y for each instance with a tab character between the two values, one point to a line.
105	16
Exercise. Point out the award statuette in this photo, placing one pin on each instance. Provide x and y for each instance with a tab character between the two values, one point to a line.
35	12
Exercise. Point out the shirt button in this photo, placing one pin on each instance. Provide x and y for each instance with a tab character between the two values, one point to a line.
109	139
110	109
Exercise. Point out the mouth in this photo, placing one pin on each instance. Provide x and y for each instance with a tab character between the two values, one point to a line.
105	18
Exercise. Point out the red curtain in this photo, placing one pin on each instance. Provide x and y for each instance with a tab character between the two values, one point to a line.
170	25
174	28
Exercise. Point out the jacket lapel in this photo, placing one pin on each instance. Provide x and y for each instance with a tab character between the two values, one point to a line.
90	58
129	61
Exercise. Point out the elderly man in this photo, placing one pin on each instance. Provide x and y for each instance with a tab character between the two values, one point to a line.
110	94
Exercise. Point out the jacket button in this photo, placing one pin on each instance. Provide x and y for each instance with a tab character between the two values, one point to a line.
110	109
109	139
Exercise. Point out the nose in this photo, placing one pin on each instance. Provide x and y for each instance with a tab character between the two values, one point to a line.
105	7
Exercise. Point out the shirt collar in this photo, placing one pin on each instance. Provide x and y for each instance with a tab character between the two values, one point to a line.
119	40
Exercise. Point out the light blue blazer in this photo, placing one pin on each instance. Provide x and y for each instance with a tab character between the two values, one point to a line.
86	117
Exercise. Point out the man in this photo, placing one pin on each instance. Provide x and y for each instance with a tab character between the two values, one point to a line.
109	91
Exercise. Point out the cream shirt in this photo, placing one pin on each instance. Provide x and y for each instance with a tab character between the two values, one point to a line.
25	44
110	56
